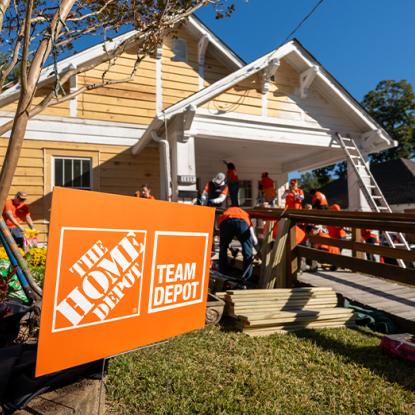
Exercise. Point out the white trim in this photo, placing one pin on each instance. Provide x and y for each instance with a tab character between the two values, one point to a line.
78	130
229	56
292	47
264	103
306	79
201	53
73	103
159	80
52	171
206	94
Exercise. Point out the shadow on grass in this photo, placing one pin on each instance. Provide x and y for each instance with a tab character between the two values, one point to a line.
373	358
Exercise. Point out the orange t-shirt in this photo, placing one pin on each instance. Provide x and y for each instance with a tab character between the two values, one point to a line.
294	199
319	196
336	232
235	213
19	213
268	188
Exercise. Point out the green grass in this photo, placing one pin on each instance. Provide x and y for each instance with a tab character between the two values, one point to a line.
332	371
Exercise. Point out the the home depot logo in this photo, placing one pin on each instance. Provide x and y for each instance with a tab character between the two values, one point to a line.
178	272
99	276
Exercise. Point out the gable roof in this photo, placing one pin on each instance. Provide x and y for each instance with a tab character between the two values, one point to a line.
89	55
396	179
302	60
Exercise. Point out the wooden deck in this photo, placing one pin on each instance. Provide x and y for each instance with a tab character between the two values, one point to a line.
395	299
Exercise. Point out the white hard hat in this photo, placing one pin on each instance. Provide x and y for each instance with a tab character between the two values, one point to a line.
219	179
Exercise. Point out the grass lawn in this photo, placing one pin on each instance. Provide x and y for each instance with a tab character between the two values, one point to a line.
331	371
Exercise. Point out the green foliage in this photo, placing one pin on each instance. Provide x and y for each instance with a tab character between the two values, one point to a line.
332	371
392	105
318	178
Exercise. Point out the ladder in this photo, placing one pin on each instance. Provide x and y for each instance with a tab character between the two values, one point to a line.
371	191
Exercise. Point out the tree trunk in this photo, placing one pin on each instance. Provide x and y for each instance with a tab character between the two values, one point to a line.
14	147
4	5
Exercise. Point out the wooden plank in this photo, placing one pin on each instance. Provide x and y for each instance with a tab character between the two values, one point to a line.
390	272
287	329
385	251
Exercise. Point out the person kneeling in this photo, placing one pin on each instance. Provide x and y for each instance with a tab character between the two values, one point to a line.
236	223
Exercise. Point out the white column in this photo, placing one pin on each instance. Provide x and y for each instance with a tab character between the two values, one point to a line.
357	200
159	82
73	103
281	184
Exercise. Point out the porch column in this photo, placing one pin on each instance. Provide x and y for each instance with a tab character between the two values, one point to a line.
183	162
357	200
281	183
186	170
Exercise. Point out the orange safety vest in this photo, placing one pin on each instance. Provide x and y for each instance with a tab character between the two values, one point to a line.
294	199
321	197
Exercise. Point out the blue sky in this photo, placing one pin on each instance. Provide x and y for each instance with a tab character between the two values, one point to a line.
361	42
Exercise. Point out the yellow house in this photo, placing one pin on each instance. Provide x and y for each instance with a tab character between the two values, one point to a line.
188	108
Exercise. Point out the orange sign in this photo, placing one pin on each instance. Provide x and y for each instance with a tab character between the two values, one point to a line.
121	272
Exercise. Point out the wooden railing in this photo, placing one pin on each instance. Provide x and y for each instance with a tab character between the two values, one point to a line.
281	256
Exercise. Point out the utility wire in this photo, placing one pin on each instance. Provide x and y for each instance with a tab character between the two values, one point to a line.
303	20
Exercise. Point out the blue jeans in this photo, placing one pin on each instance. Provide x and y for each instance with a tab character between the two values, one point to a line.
239	229
233	192
17	236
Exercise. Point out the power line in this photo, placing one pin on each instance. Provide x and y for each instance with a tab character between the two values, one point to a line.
304	20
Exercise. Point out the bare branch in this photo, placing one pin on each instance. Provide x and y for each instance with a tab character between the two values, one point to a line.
7	69
92	14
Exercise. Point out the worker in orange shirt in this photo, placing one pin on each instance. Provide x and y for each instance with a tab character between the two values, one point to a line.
369	237
15	212
294	196
233	183
144	192
236	223
319	200
267	188
336	232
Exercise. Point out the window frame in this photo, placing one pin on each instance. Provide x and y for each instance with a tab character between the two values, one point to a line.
85	158
177	57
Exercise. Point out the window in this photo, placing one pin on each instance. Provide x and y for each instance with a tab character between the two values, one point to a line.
245	193
73	172
180	50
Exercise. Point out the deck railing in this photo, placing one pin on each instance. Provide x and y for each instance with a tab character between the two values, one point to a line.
281	255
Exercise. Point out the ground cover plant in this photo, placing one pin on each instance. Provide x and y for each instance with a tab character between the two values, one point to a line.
330	371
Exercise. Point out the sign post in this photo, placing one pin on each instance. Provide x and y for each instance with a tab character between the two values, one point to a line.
121	273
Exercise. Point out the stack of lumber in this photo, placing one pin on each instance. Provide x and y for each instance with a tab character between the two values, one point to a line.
262	312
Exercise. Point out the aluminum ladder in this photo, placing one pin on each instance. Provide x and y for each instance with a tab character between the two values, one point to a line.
371	190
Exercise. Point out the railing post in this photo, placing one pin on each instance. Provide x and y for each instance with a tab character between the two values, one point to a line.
357	237
291	258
